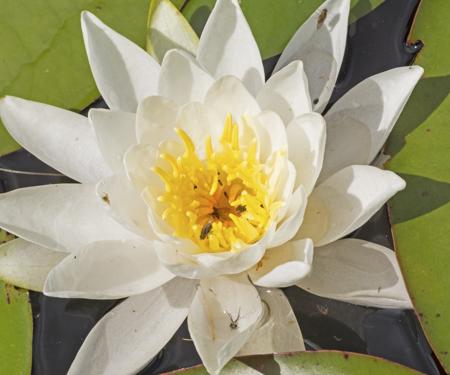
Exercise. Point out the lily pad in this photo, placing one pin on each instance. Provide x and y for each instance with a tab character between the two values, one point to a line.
16	326
309	363
16	331
43	56
420	147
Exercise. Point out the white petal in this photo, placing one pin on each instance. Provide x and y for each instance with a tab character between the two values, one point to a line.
227	46
218	303
228	95
285	265
26	265
131	334
138	162
115	133
357	271
63	217
200	121
107	270
306	138
167	29
360	122
182	79
270	133
62	139
345	201
181	260
287	92
292	220
125	74
155	120
125	205
320	44
279	331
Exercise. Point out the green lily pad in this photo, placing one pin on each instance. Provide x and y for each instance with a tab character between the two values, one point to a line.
309	363
420	145
16	331
43	56
360	8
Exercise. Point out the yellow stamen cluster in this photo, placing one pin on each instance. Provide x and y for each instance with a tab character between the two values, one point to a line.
220	202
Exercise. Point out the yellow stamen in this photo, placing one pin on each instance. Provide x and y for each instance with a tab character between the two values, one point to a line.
220	202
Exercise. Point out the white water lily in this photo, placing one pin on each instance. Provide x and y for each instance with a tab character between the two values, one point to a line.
204	187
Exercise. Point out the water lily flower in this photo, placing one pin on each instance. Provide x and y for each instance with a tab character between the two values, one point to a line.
205	188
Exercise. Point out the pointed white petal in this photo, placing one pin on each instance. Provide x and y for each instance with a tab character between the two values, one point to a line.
63	217
285	265
287	92
320	44
131	334
182	79
270	133
345	201
125	74
62	139
26	265
155	120
107	270
293	218
115	133
168	29
227	46
200	121
223	315
228	95
281	173
357	271
125	204
306	138
279	331
360	122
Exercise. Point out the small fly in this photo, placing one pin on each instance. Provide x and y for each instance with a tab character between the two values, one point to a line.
322	17
105	198
241	208
205	230
234	322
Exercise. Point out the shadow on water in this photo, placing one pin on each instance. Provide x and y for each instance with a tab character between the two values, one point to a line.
376	42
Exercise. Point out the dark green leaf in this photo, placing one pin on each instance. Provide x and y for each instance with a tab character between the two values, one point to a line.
420	147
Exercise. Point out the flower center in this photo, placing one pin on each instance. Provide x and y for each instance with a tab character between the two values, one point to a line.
220	202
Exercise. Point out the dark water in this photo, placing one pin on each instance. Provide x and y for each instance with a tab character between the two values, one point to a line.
375	43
